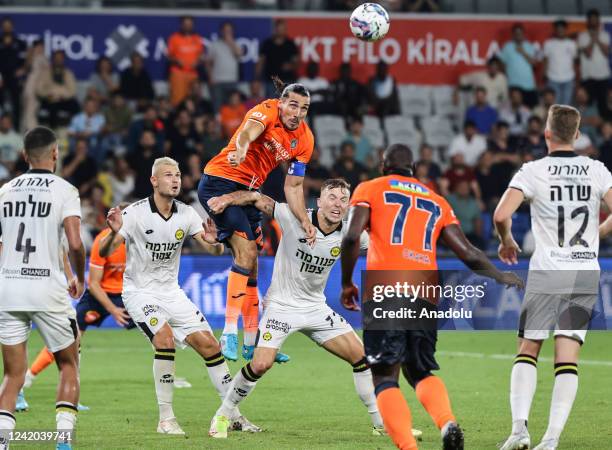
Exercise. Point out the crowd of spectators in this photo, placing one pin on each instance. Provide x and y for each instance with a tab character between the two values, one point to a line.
112	135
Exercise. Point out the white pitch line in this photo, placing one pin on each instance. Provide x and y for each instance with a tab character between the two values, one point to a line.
505	357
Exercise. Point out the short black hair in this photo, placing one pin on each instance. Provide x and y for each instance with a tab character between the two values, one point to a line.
38	141
593	12
560	23
469	124
398	160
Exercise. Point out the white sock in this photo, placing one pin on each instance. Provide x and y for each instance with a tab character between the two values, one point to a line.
362	376
163	373
564	393
219	373
65	418
7	424
522	389
249	337
230	328
244	382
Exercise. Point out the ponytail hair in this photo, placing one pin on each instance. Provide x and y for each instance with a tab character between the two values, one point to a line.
284	90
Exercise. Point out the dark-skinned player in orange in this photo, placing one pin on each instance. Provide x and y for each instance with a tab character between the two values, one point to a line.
272	132
405	219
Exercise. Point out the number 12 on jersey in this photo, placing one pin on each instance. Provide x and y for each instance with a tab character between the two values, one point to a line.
405	201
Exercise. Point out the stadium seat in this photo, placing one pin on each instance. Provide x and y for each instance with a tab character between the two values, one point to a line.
602	5
527	7
401	130
373	131
437	131
414	100
443	101
493	6
562	7
329	131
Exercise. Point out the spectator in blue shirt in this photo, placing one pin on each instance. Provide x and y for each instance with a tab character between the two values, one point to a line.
363	147
519	56
481	113
88	125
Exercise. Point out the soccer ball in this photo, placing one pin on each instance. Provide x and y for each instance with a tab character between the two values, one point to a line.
369	22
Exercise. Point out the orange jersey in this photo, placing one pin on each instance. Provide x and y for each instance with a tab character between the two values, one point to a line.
406	218
113	265
186	49
274	145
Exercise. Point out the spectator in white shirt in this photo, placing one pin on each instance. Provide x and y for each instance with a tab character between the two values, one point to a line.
469	144
560	53
318	88
516	114
594	46
223	65
493	80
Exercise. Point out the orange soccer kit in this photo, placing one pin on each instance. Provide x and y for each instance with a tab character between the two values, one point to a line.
274	145
406	218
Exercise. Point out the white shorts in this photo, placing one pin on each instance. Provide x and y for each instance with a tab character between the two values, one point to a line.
58	329
151	311
320	324
564	315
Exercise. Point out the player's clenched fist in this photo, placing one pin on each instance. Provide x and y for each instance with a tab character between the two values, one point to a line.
350	297
114	219
75	288
218	204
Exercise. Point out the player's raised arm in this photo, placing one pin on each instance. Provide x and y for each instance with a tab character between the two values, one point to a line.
294	192
475	258
502	218
351	243
251	131
76	254
240	198
110	242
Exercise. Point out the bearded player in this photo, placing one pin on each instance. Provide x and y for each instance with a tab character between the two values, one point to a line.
272	132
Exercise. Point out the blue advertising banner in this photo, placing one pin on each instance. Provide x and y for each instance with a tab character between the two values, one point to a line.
86	36
204	279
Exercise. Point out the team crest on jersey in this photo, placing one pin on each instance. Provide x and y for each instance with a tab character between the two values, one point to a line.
294	143
267	336
180	234
335	251
153	321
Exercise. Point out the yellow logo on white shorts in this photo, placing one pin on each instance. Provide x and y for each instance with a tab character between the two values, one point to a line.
179	235
267	336
335	251
153	321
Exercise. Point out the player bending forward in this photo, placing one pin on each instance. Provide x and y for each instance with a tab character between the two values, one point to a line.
295	300
154	230
38	207
565	192
405	220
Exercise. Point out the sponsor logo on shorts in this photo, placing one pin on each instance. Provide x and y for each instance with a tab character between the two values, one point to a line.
267	336
179	235
335	251
153	321
150	309
273	324
31	272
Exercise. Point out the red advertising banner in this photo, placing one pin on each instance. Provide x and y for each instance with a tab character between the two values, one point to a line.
419	51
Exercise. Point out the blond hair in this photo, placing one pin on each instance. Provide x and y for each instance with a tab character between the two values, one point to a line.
165	161
563	122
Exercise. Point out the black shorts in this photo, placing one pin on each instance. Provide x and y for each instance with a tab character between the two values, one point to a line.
242	220
415	348
91	312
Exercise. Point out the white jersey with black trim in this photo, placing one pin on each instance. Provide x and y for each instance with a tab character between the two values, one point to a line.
153	245
301	271
33	207
565	191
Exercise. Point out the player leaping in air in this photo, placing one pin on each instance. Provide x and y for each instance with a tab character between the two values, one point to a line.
154	230
295	300
272	132
405	219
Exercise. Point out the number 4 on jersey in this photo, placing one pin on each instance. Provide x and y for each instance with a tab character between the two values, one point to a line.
28	248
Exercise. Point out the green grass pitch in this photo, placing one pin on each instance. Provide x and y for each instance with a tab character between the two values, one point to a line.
310	403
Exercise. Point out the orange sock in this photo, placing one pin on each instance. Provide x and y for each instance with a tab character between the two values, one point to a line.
42	361
396	417
432	394
236	292
250	312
